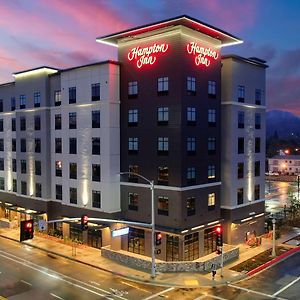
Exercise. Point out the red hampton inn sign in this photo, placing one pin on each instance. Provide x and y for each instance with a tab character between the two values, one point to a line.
203	55
146	55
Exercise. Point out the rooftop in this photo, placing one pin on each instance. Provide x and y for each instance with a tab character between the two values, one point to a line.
184	20
251	60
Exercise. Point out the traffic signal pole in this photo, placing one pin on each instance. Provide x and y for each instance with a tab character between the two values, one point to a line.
222	261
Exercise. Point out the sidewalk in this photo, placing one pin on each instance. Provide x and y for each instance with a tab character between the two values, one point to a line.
92	257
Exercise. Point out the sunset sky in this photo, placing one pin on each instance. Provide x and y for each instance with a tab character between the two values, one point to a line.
62	33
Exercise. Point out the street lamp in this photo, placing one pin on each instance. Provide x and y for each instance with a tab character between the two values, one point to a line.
273	244
151	183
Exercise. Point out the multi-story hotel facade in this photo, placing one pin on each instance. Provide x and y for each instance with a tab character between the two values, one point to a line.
156	112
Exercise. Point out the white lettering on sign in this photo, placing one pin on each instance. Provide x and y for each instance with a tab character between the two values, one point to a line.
119	232
146	55
203	55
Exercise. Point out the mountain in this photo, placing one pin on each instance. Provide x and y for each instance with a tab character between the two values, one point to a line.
285	124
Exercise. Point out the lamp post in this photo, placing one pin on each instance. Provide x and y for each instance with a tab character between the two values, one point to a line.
298	184
151	183
273	248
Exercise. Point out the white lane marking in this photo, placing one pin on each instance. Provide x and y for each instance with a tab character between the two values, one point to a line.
254	292
28	283
57	275
94	282
209	295
55	296
160	293
286	287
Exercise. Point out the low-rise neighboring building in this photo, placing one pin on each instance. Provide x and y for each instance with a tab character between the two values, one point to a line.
284	164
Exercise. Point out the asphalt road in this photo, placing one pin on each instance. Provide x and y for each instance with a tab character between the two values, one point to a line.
28	273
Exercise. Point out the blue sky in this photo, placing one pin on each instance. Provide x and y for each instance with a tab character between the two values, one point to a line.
62	34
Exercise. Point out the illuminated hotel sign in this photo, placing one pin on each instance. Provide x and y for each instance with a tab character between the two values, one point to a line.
146	55
119	232
203	55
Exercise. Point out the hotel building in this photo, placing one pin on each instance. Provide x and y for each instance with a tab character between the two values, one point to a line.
162	111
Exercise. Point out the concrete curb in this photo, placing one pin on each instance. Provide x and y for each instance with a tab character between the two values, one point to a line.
273	261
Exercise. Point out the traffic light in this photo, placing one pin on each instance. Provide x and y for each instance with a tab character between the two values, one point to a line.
219	236
26	230
158	237
84	222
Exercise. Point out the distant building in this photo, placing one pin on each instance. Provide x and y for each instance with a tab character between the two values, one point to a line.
285	164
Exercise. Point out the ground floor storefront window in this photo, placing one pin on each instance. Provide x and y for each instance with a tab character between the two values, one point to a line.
210	244
191	246
56	229
76	233
94	238
136	241
172	248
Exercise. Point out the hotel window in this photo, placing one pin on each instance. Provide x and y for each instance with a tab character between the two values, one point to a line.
133	169
257	121
191	115
96	119
96	172
257	168
1	144
57	98
96	196
136	240
258	96
191	246
1	105
241	119
240	145
172	248
191	175
163	205
23	187
12	103
15	185
191	145
212	89
72	120
240	196
58	145
211	117
72	146
162	115
38	167
240	170
23	145
58	122
13	145
1	125
2	183
96	146
163	145
1	164
22	101
58	168
241	93
163	86
191	85
73	195
133	201
133	145
38	190
73	171
211	145
257	145
211	172
163	175
13	124
37	145
37	99
72	95
256	192
14	165
23	166
37	123
191	206
133	117
22	123
211	200
95	91
132	89
58	192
